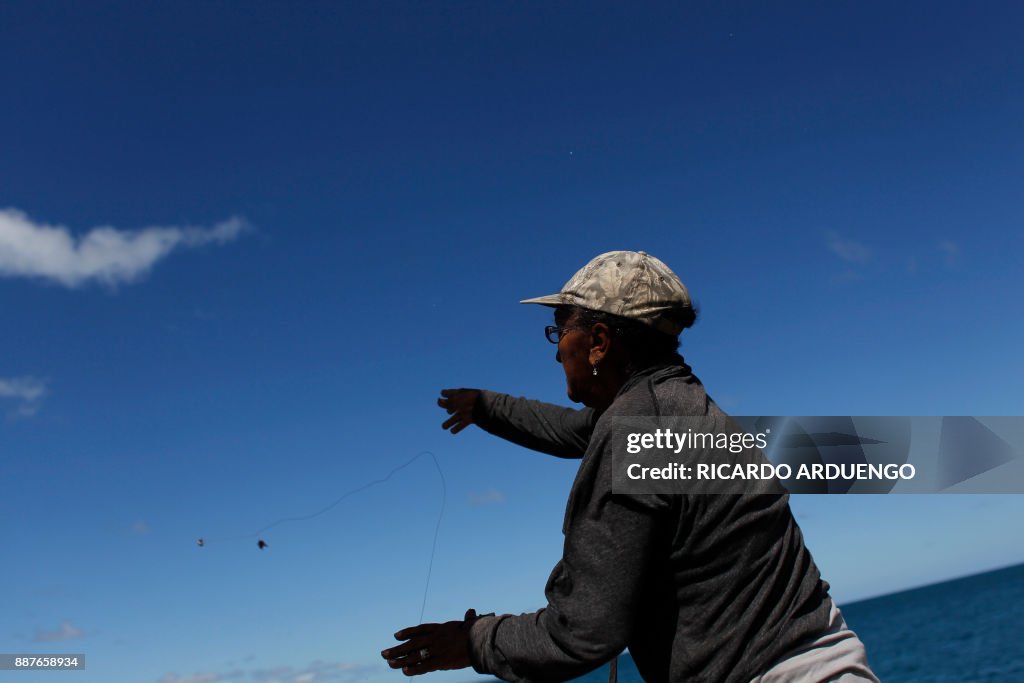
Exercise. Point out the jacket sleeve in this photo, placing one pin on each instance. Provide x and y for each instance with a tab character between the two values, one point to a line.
544	427
593	592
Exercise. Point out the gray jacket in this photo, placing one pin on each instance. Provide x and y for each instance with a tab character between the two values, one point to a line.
699	588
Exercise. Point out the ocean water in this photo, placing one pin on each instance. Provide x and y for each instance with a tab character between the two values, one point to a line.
968	630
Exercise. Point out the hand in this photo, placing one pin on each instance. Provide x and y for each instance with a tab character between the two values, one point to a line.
459	403
431	647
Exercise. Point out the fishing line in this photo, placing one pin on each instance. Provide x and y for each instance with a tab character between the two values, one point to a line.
437	527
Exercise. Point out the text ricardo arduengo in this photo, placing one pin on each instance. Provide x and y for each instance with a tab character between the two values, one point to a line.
736	442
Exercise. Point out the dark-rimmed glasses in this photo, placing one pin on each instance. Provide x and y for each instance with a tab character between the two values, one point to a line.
554	332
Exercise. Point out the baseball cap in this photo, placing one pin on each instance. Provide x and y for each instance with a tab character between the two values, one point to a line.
630	284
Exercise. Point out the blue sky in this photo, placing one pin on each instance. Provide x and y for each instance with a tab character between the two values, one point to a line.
242	247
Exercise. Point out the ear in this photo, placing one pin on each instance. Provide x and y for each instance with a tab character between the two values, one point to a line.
600	343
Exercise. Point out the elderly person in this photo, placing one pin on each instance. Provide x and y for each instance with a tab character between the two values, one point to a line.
698	587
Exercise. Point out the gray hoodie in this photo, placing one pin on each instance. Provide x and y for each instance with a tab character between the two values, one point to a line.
698	587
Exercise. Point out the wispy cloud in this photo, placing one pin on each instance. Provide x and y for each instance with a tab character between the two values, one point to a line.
316	672
140	528
204	677
848	250
951	251
104	254
848	275
66	632
27	391
488	497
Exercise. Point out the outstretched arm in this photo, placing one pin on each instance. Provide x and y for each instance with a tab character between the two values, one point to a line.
544	427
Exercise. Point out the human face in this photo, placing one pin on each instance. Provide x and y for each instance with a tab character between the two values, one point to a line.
574	355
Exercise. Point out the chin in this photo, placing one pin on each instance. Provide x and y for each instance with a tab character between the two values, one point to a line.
576	396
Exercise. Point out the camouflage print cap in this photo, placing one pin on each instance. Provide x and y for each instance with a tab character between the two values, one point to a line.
631	284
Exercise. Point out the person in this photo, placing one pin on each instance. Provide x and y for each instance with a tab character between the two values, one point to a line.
711	588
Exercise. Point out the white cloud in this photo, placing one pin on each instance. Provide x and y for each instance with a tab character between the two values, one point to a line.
204	677
28	391
65	632
847	250
316	672
24	388
104	254
488	497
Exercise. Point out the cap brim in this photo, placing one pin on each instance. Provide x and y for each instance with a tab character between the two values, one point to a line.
549	300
